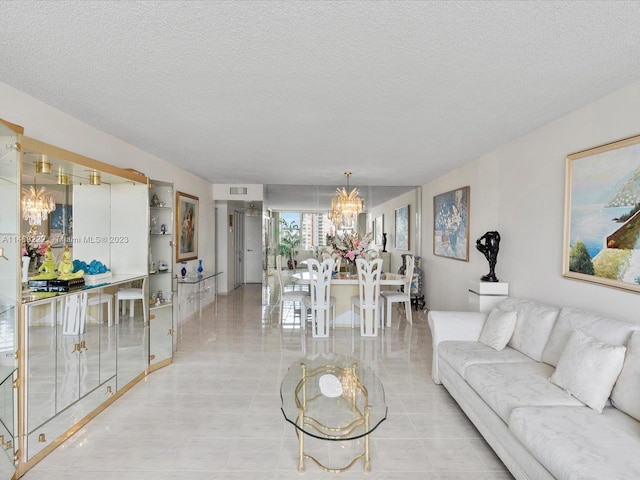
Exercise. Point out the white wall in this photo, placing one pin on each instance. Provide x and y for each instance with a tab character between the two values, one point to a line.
518	190
388	210
45	123
226	281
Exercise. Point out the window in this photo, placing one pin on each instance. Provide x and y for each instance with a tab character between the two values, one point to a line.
314	228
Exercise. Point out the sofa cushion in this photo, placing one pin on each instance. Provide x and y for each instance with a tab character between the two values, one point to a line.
533	326
578	443
498	328
510	385
459	355
606	330
587	369
626	392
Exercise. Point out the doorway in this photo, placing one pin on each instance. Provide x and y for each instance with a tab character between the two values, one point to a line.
252	249
238	248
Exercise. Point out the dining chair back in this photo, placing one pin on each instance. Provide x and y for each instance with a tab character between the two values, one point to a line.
337	261
368	300
320	302
293	296
403	296
74	316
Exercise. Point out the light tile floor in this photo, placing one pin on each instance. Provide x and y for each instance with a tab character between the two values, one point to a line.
215	412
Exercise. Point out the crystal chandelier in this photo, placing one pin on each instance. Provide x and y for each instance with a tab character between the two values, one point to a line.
36	206
345	206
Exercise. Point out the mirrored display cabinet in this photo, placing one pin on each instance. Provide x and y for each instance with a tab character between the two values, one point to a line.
66	350
80	351
10	261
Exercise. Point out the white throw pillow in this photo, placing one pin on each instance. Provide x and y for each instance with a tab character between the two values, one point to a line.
498	328
626	393
588	369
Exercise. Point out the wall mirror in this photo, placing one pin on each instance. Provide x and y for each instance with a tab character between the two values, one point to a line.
303	199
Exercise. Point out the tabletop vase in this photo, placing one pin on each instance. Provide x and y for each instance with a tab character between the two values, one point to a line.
26	261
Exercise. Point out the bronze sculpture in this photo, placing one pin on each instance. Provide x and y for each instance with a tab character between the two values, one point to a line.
489	244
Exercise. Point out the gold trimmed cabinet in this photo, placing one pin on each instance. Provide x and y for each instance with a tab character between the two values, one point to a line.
65	356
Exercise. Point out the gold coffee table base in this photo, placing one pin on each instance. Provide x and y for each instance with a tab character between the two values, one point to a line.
354	390
365	455
335	398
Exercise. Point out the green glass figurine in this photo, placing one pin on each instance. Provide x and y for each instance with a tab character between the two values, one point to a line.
65	268
47	270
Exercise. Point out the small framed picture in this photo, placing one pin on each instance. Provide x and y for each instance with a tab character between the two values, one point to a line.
186	227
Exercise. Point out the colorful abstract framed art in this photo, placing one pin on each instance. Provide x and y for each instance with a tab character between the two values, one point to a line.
451	224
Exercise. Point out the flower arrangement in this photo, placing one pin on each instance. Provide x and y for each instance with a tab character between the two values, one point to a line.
350	246
34	244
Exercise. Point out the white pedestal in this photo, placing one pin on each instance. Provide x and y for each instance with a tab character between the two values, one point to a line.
483	296
386	261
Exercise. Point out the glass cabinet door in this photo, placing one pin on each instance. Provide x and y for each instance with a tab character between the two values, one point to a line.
161	262
10	266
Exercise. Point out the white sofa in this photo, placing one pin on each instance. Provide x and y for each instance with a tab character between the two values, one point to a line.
538	429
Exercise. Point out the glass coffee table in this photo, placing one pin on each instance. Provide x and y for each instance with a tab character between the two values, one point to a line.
334	398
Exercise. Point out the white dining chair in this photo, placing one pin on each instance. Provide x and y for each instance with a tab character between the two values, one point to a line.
130	295
368	301
320	302
74	315
99	299
403	295
293	296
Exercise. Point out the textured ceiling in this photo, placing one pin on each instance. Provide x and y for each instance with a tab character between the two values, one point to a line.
298	92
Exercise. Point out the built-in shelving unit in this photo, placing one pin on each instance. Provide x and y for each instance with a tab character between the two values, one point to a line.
161	275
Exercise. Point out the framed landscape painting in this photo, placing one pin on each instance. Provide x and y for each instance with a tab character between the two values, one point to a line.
186	227
602	215
402	228
451	224
378	228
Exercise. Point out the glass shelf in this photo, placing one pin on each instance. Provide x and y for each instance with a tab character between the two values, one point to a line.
198	278
158	305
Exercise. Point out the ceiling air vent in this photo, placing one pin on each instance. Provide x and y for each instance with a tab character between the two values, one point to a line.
237	190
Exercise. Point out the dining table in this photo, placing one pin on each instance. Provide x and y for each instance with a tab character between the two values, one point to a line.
343	287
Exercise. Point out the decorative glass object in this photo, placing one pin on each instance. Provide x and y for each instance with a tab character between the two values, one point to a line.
200	267
183	270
